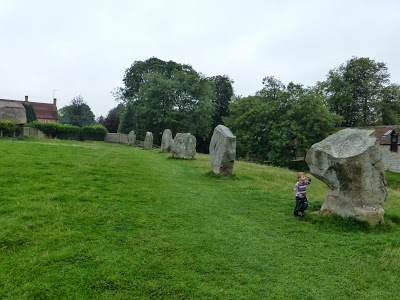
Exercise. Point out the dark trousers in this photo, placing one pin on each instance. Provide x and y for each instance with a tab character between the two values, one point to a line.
301	205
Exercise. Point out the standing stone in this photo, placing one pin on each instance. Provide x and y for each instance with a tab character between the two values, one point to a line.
222	150
166	141
131	138
184	146
148	141
350	163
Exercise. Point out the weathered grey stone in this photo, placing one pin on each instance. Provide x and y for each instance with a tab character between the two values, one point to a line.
148	141
350	163
13	111
184	146
131	138
166	141
222	150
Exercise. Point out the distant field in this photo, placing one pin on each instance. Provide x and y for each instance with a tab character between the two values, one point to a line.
90	220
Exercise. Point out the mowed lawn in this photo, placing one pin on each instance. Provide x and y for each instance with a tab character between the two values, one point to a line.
90	220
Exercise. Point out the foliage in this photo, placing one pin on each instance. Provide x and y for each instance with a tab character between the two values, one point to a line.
70	132
57	130
223	95
129	120
355	90
279	122
166	95
9	128
390	105
30	113
111	122
77	221
135	76
78	113
93	133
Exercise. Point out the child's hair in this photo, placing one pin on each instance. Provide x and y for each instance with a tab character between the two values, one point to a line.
300	174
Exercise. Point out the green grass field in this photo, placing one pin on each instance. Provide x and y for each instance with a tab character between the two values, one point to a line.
106	221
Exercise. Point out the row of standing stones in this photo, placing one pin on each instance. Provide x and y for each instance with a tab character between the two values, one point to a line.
222	147
349	162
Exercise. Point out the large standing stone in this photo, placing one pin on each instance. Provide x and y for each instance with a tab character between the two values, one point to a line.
131	138
148	141
350	163
184	146
166	141
222	150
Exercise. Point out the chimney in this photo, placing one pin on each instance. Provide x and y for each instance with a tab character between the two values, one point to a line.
26	98
55	101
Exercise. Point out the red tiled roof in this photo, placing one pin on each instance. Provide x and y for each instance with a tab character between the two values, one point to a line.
44	111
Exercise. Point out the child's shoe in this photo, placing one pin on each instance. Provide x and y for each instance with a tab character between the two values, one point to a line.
301	214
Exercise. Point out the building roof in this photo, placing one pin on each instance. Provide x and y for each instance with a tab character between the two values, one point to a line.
44	111
383	133
13	111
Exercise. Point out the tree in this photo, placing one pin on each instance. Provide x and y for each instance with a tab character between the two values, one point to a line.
390	105
78	113
111	122
166	95
279	120
354	91
223	95
130	120
135	76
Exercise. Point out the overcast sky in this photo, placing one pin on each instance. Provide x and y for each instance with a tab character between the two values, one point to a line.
71	48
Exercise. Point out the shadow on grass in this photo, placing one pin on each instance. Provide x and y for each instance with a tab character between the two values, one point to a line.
179	158
211	174
348	224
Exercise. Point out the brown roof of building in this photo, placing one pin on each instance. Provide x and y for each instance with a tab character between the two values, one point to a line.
10	110
383	133
46	111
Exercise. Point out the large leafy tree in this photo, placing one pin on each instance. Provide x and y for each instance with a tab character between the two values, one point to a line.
390	105
77	113
166	95
355	90
223	95
135	76
279	120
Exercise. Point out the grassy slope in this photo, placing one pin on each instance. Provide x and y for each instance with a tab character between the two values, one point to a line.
94	220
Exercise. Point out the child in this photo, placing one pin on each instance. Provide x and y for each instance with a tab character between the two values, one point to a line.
300	191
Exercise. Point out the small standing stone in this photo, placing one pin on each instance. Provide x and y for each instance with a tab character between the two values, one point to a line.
148	141
184	146
131	138
222	150
166	141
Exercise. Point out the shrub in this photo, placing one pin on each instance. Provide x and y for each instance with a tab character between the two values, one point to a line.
70	132
9	128
93	132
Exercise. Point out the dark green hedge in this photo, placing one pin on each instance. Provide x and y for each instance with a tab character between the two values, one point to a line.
69	132
93	132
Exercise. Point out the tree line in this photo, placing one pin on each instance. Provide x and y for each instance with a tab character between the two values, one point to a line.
272	125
